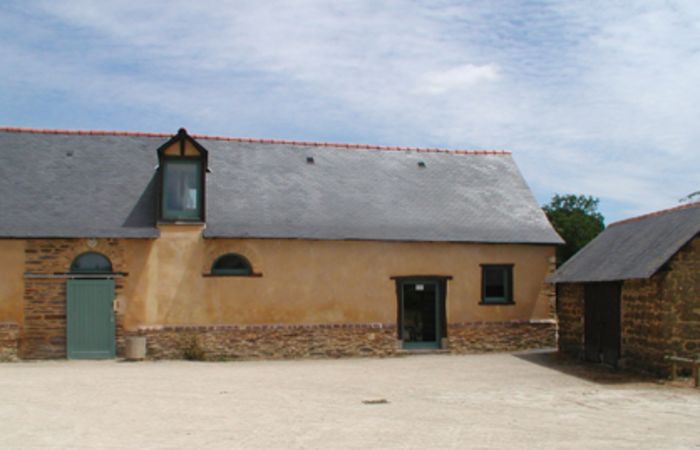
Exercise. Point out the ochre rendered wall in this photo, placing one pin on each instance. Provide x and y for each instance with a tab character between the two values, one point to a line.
11	280
309	298
315	282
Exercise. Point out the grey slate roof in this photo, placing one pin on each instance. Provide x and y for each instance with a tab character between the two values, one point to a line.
106	188
636	248
266	190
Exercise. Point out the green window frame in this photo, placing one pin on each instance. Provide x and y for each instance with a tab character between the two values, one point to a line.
497	284
232	264
91	262
170	197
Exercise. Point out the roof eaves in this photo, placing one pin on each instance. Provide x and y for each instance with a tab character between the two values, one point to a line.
148	234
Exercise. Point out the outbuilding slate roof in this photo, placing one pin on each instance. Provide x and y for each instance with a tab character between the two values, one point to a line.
104	184
632	248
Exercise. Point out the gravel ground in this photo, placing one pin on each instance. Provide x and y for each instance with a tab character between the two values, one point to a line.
419	402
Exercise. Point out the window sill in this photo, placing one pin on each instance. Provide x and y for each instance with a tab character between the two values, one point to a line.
180	222
231	275
483	303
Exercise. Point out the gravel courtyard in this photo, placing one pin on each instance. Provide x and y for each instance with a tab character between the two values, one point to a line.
419	402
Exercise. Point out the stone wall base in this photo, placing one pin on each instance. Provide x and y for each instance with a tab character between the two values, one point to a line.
268	341
480	337
44	334
223	342
9	341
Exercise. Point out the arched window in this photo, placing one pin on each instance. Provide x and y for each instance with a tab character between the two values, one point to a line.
231	264
91	262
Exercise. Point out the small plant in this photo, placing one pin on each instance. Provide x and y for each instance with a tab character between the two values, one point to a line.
192	350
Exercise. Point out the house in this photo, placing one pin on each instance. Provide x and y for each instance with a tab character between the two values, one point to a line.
259	248
632	295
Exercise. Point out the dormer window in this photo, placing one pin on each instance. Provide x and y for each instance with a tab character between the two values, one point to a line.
182	166
182	189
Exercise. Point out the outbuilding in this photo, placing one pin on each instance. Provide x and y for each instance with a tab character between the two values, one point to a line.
242	248
631	297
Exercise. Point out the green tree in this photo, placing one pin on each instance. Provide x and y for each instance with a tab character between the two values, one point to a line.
577	220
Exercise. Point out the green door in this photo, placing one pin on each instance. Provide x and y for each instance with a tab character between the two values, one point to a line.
90	319
420	314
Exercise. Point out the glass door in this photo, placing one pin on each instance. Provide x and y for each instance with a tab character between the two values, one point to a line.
420	315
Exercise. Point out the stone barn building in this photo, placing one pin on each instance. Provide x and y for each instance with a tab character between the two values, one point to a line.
632	295
245	248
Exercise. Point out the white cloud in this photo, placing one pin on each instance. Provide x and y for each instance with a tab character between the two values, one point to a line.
456	78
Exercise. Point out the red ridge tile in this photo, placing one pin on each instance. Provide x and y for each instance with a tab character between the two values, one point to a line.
10	129
656	213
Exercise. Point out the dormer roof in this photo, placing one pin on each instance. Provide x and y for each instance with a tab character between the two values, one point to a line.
180	141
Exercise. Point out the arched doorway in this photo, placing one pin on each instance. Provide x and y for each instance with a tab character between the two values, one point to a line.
90	322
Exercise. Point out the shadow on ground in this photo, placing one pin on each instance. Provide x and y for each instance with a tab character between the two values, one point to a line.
596	373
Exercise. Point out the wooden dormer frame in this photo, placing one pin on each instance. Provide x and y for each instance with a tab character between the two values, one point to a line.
181	139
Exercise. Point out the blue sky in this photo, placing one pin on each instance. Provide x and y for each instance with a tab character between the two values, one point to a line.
599	98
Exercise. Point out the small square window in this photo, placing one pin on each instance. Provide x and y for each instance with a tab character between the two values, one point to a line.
496	284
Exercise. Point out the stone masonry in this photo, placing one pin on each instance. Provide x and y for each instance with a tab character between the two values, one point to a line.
570	309
659	316
515	335
644	334
332	340
44	334
681	292
9	341
269	341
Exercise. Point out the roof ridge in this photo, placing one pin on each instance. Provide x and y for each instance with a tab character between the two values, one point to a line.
82	132
660	212
10	129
